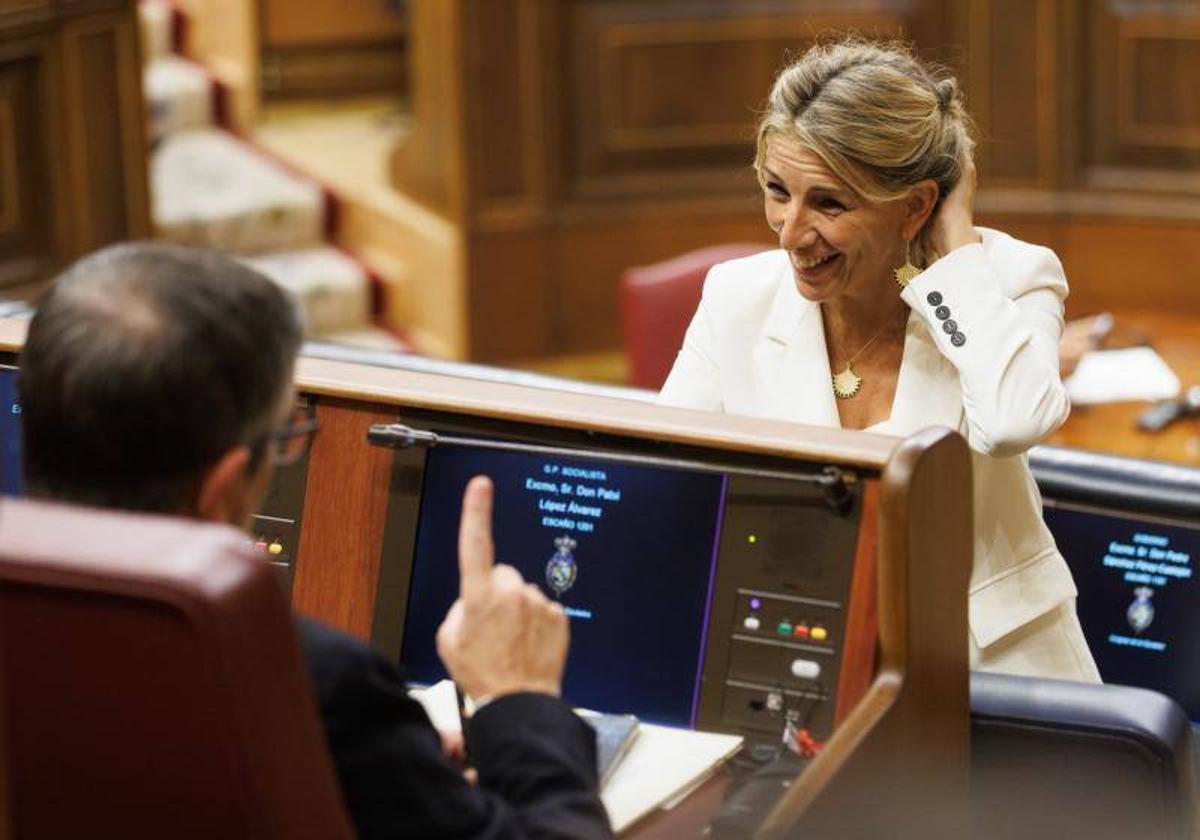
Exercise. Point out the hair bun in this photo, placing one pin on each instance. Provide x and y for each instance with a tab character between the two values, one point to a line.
946	90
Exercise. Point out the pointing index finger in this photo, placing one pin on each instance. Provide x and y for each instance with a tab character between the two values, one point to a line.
476	553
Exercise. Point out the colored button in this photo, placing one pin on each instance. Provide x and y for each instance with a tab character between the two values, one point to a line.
751	622
805	669
819	634
800	630
942	313
275	547
950	327
784	628
958	339
934	298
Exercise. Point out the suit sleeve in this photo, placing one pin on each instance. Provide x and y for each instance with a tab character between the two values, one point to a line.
1001	332
694	381
535	757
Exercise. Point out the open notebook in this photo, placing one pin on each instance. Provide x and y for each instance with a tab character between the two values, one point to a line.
661	765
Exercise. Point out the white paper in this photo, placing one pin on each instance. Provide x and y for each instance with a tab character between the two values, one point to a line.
662	765
1120	376
441	704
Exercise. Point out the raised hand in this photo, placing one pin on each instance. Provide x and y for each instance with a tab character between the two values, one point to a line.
502	635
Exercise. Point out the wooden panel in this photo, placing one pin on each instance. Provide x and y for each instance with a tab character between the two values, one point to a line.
326	70
659	89
514	313
345	506
1120	263
104	127
332	48
286	23
26	209
1012	75
498	40
591	254
1143	112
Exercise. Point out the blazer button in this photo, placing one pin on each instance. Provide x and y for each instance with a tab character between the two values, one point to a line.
934	298
950	327
958	339
942	313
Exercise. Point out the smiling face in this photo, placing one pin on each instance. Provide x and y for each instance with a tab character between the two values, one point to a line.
839	243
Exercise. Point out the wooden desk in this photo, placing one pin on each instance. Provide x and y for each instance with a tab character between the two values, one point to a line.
1112	428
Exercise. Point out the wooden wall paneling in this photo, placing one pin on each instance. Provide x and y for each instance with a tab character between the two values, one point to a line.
104	123
513	294
1011	76
497	39
332	47
668	89
1144	115
589	255
1122	263
345	508
429	164
286	23
19	15
31	232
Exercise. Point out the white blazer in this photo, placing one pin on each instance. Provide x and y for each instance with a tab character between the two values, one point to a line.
756	347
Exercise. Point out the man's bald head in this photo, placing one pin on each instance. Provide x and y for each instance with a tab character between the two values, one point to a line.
144	363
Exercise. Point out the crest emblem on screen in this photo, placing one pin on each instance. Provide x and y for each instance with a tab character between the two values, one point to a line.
1141	611
562	569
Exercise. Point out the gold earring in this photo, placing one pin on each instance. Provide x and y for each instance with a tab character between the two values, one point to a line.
908	272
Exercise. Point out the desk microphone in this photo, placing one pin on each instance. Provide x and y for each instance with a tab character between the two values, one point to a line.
1163	414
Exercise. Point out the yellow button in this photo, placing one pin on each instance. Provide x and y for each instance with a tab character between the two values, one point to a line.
819	634
275	547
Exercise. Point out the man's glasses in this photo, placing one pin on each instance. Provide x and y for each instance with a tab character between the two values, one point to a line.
287	444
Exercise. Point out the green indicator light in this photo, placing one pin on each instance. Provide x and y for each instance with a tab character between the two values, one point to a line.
784	628
752	539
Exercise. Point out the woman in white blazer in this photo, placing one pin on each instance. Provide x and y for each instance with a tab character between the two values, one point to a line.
886	309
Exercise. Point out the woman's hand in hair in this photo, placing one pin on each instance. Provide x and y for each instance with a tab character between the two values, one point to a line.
954	225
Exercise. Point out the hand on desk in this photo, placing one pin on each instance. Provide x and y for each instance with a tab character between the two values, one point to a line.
502	635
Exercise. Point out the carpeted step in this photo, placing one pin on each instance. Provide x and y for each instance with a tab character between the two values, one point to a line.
210	189
155	22
179	96
333	289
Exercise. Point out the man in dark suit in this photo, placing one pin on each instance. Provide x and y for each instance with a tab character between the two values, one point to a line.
158	379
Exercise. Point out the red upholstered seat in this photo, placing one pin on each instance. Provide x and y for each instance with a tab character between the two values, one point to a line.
657	303
151	684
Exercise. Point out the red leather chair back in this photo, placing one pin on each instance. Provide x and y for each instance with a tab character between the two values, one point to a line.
657	304
151	684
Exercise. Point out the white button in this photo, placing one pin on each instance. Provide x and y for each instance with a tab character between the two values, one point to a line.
805	669
752	622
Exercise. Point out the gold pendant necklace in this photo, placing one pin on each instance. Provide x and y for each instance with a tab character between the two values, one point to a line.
848	383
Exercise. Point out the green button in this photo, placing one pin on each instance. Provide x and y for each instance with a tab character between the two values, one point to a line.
784	628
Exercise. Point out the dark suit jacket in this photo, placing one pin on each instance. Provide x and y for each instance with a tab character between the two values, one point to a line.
536	759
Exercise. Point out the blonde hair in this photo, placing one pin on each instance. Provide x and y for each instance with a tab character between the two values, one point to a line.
879	118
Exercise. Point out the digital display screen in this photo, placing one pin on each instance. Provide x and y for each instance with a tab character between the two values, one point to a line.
628	550
1139	599
10	433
